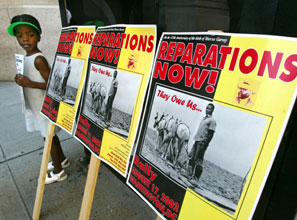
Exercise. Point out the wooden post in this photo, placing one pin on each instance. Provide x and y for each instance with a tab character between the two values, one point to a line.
159	218
90	186
220	31
43	171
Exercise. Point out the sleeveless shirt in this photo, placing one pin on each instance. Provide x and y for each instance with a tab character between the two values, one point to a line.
34	98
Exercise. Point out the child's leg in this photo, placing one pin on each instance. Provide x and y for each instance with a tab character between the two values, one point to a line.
57	154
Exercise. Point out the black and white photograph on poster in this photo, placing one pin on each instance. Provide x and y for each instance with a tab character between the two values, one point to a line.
202	145
65	79
110	98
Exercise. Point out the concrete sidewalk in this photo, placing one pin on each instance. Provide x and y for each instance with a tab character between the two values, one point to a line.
20	159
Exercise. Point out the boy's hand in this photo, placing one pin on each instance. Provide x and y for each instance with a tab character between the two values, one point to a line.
23	81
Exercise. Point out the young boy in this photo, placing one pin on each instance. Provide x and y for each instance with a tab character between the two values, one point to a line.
27	30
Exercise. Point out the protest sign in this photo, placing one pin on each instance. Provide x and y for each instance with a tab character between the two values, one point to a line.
67	76
216	112
117	76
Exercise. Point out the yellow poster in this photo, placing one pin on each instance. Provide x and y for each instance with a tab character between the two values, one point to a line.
117	76
217	110
67	76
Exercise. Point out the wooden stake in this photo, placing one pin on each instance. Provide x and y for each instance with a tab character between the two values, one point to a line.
220	31
159	218
43	171
90	186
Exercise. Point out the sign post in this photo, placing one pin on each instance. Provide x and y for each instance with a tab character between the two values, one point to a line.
90	186
43	171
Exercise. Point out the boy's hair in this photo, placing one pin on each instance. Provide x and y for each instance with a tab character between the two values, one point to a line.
23	19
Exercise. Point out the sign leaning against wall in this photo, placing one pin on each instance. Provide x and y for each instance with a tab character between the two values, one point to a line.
217	108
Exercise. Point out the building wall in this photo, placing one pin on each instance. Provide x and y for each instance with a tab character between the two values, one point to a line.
48	14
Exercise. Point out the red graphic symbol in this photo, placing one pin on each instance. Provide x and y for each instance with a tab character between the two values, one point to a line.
244	93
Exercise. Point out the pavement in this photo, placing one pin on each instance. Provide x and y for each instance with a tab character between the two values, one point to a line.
20	159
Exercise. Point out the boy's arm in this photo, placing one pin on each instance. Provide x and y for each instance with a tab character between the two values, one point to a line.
42	66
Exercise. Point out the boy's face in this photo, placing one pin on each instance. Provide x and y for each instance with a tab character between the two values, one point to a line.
28	38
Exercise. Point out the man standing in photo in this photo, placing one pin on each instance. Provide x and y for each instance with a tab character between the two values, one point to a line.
202	139
111	94
65	78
